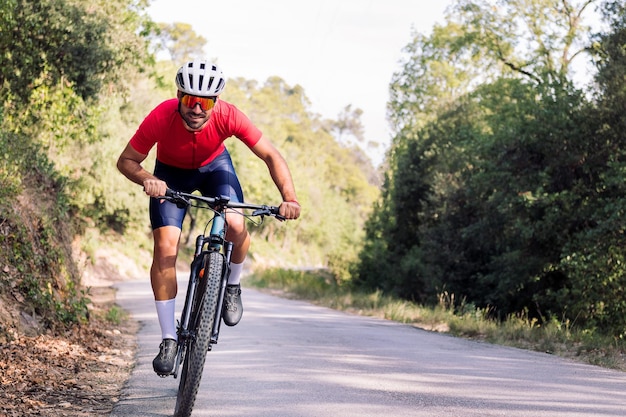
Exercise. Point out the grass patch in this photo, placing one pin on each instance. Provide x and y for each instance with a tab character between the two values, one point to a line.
448	316
115	315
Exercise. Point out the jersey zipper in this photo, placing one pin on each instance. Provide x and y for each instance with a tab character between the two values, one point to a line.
194	148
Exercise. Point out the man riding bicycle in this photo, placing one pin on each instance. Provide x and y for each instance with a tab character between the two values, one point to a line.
189	132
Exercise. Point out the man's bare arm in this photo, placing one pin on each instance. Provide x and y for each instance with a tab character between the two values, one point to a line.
129	164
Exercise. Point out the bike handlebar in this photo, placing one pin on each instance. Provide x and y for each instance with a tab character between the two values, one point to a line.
220	203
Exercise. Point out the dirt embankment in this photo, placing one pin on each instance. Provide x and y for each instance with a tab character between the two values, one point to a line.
80	372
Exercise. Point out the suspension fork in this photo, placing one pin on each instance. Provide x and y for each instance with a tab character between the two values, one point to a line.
218	241
192	287
220	300
184	333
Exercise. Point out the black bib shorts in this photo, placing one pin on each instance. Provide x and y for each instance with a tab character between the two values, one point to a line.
215	179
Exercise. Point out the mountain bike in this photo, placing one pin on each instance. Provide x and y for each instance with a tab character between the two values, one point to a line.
199	324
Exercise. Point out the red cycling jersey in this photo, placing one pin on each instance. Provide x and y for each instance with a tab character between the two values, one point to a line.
178	147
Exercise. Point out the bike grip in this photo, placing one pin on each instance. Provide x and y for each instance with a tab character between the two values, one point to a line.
276	214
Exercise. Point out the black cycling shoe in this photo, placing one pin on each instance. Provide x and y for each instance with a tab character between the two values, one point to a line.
163	364
233	308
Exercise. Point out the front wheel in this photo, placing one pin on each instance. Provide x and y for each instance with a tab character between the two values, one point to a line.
203	318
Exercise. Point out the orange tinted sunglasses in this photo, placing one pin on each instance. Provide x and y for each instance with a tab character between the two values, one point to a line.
206	103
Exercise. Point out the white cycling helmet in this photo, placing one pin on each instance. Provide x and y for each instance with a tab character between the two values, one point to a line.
200	78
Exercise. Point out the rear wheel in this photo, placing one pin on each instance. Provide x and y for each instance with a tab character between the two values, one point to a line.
204	316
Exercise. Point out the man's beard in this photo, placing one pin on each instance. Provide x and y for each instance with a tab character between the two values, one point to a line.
193	123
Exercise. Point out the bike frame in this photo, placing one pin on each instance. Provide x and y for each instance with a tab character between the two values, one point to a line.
215	241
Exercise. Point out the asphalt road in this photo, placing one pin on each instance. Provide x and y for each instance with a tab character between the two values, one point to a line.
291	359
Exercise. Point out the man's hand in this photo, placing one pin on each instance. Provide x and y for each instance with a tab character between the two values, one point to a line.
289	210
154	187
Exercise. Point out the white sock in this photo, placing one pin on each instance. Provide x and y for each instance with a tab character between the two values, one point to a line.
235	273
167	321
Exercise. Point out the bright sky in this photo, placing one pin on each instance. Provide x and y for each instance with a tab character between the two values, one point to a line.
340	51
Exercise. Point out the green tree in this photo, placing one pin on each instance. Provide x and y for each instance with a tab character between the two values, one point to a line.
348	127
517	200
333	189
535	38
58	59
180	41
500	170
594	258
72	42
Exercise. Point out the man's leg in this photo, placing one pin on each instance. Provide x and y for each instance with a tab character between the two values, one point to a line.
163	271
165	288
238	234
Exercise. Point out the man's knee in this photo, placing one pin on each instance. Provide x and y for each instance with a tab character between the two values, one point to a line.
166	238
236	223
166	241
237	232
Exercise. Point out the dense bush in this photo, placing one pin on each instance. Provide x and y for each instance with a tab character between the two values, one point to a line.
509	190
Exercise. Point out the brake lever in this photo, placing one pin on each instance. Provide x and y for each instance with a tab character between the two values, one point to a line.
268	212
174	197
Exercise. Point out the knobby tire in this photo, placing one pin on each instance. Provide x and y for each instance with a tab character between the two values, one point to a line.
193	366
